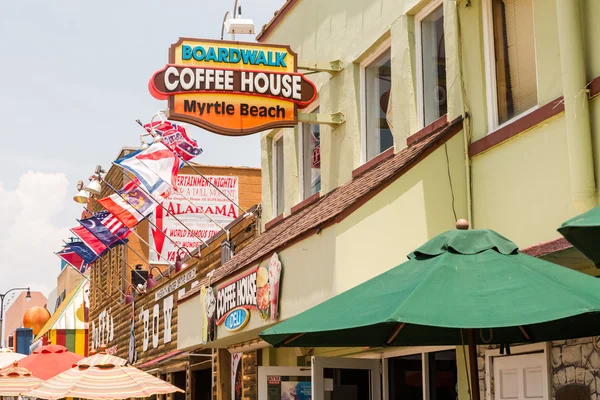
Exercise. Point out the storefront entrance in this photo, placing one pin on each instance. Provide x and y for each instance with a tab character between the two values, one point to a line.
422	376
346	379
404	374
203	384
328	379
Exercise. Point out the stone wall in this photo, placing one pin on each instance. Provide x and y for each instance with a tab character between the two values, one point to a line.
573	361
576	361
481	367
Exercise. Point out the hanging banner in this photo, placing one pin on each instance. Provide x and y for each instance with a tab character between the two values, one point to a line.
232	88
236	376
205	199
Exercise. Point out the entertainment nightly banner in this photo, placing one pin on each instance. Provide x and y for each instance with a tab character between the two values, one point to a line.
205	198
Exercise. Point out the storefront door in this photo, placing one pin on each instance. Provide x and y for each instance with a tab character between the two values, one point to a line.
346	379
328	379
520	377
284	383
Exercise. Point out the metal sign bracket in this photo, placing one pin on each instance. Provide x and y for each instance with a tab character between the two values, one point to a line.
331	67
333	120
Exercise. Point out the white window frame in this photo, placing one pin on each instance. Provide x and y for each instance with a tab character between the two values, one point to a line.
309	109
376	53
408	351
490	71
277	137
419	17
490	354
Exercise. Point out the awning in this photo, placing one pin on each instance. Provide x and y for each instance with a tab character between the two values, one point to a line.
72	312
460	280
583	232
165	357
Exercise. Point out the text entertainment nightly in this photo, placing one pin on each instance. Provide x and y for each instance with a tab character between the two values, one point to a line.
232	88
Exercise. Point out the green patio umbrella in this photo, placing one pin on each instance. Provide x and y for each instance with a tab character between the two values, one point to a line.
583	232
462	286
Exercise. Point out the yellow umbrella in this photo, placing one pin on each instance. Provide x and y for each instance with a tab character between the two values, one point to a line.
102	376
15	380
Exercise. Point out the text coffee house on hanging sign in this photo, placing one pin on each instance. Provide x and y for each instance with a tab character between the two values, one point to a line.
232	88
257	289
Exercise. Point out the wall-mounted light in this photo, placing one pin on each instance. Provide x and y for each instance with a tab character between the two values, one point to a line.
82	195
94	186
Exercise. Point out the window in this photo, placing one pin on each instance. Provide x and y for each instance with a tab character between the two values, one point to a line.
376	84
431	64
424	376
512	58
311	159
278	184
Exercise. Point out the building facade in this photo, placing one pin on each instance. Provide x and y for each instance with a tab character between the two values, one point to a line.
141	322
478	109
13	315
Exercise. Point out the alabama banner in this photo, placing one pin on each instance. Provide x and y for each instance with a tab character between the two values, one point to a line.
205	198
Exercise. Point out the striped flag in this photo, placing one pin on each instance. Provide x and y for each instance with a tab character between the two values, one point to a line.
112	223
114	235
153	167
69	256
132	204
176	139
90	240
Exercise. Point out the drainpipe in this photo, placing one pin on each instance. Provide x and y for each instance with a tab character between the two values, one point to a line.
577	113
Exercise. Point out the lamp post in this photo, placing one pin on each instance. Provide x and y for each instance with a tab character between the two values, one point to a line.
2	296
235	25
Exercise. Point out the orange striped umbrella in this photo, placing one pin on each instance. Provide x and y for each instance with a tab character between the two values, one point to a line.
50	360
8	357
15	380
102	376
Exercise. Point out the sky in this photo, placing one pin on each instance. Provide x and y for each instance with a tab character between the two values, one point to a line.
73	79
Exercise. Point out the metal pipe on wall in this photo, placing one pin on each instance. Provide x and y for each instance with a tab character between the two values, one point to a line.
577	112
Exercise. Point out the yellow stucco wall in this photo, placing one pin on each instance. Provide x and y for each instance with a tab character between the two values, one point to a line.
410	211
351	31
521	188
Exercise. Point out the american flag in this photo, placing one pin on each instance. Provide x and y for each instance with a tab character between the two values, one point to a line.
111	222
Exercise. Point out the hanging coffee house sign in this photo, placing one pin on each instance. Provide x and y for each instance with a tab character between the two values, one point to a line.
257	289
232	88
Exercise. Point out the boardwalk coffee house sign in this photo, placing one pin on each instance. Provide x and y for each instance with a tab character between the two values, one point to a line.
256	289
232	88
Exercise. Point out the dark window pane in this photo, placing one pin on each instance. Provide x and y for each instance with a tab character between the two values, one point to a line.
442	375
406	378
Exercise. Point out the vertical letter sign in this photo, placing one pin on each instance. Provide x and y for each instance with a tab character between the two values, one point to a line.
232	88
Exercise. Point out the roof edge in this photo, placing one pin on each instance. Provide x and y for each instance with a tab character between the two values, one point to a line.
277	18
545	248
446	134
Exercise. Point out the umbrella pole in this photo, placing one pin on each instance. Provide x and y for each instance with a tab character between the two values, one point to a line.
474	371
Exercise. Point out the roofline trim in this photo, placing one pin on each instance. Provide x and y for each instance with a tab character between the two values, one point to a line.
272	24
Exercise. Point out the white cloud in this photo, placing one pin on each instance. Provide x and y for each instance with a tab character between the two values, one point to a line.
29	235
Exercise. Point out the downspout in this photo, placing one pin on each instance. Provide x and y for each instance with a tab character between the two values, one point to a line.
465	116
577	112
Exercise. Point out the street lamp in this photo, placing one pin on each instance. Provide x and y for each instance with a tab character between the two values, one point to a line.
2	296
236	25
